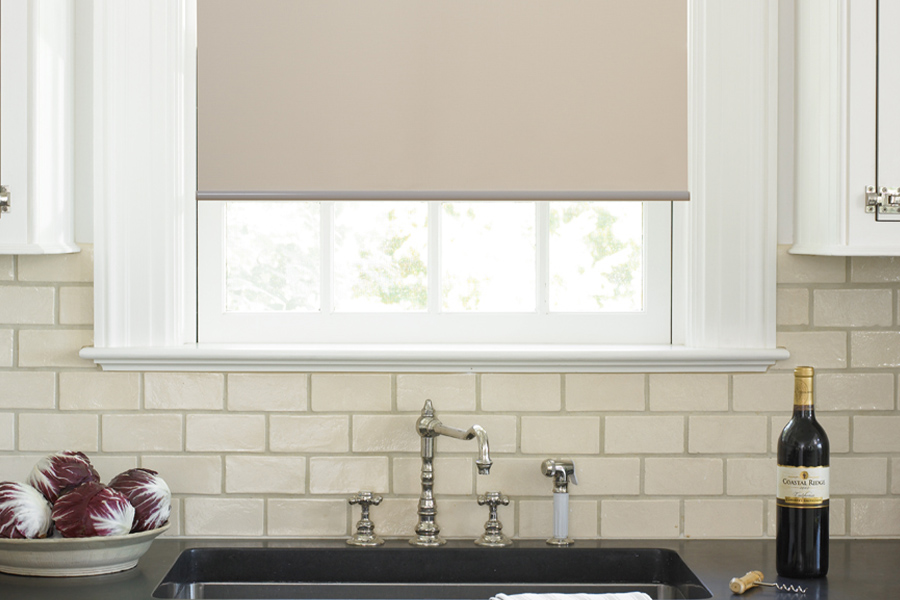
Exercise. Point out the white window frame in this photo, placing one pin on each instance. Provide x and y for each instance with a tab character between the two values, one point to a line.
145	254
649	325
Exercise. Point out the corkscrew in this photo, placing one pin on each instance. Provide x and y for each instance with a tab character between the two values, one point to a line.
739	585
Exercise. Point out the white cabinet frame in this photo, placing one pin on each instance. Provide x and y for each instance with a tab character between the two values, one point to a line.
145	223
37	153
836	129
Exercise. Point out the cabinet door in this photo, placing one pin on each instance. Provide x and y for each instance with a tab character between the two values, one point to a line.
847	127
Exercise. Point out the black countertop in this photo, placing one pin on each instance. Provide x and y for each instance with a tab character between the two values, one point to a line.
859	569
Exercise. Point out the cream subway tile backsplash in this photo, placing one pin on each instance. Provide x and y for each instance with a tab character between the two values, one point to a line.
348	474
617	476
96	390
224	516
605	392
644	435
521	393
7	431
293	517
871	517
862	475
53	347
536	519
7	268
854	391
792	306
726	434
823	349
799	268
188	474
26	305
876	434
60	268
27	389
763	392
683	476
749	476
76	305
6	347
731	518
110	465
142	433
875	349
640	518
351	392
384	433
269	392
185	391
265	474
225	433
853	308
561	435
58	431
279	454
453	392
875	269
308	433
688	392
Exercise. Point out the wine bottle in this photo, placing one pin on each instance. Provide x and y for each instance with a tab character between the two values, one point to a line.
801	545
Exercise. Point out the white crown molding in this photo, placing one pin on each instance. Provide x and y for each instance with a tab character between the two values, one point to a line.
38	126
145	229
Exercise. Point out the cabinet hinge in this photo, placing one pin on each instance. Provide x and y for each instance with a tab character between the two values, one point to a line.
884	201
4	199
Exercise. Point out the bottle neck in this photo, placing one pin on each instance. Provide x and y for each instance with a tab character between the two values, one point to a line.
803	396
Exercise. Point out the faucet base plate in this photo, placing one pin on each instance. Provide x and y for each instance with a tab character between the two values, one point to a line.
427	540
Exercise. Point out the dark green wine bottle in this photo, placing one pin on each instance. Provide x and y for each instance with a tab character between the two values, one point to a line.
801	545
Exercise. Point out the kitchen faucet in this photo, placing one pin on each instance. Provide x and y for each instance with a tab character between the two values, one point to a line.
429	427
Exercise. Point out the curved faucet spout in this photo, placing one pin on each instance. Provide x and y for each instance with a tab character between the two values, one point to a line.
429	427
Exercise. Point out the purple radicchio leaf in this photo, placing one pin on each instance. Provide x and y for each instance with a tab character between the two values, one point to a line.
24	512
149	495
92	509
56	473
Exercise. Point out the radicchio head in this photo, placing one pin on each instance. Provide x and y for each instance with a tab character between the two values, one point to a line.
92	509
24	512
149	495
56	473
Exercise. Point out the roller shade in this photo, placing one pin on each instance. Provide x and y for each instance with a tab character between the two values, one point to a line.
461	98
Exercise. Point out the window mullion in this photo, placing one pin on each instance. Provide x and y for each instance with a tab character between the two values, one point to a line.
542	250
326	254
434	257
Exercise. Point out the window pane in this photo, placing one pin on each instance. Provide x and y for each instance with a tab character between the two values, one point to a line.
271	256
380	256
596	256
488	254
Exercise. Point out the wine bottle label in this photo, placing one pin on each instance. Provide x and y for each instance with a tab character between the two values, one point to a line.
802	487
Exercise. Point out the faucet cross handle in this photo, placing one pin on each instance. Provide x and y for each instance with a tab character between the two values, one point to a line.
493	536
365	528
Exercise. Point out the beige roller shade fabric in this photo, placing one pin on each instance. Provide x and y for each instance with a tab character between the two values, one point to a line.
494	96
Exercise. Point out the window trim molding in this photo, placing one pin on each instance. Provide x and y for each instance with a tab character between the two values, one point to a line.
145	213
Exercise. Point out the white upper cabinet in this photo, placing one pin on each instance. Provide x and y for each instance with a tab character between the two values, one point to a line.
847	128
37	126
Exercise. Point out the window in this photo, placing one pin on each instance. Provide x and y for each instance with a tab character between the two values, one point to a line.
723	250
434	272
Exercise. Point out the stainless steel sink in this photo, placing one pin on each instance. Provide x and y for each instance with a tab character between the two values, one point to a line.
457	571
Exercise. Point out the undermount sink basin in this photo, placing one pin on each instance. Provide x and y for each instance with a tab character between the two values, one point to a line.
398	571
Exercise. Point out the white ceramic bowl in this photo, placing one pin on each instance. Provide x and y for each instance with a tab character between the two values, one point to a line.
73	557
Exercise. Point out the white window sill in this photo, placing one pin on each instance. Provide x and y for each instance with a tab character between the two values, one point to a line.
434	358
